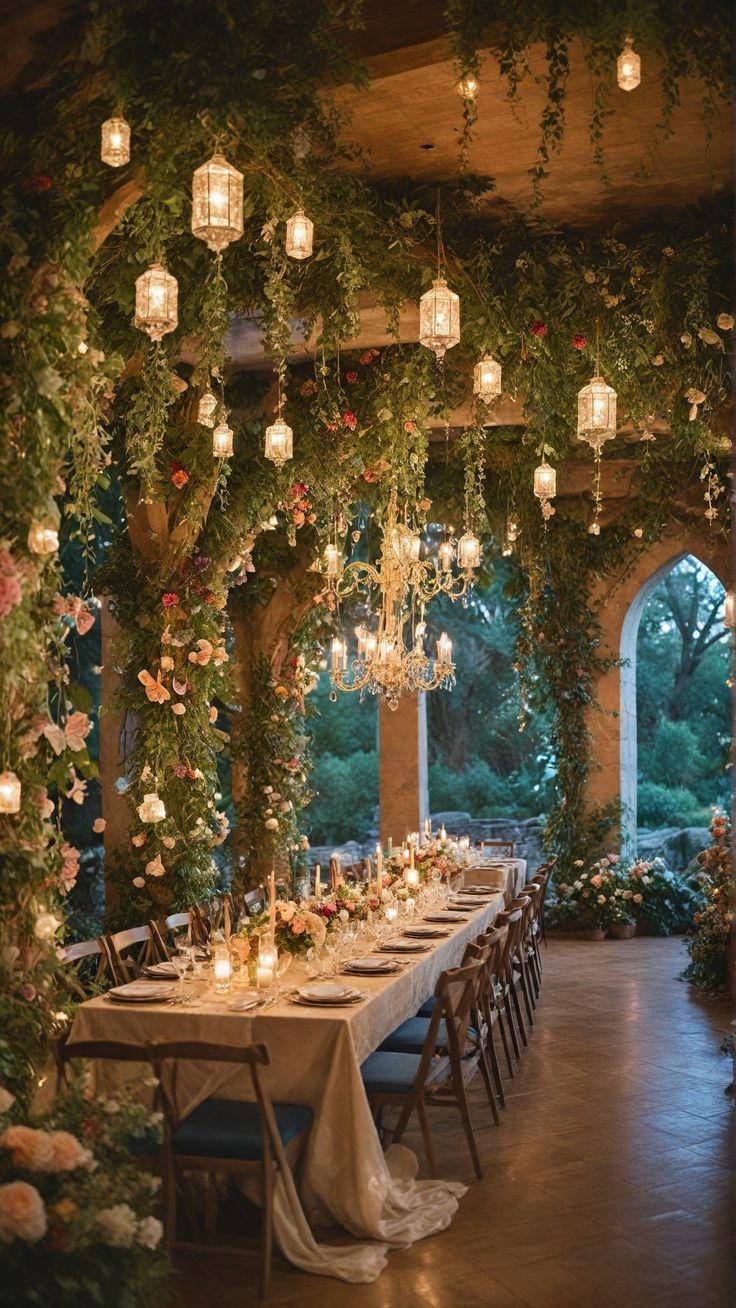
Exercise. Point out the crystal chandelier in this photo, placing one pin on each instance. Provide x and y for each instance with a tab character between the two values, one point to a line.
391	659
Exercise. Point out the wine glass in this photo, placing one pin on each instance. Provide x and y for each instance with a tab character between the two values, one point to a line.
282	968
180	964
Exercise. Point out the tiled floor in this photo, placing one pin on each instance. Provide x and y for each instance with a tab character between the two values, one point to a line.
611	1180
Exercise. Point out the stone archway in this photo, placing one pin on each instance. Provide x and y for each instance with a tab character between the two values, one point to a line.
619	607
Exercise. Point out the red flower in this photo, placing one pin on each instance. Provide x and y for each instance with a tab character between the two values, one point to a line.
170	599
409	425
351	377
180	771
349	419
578	342
40	183
180	478
367	357
538	328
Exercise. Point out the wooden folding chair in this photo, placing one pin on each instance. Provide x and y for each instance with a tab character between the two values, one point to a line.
507	998
128	952
77	955
175	922
503	848
416	1081
224	1136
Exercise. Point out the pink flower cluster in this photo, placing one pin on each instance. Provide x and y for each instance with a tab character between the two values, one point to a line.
45	1151
10	587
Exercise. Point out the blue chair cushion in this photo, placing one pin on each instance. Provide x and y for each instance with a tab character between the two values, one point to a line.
427	1008
389	1074
231	1128
409	1038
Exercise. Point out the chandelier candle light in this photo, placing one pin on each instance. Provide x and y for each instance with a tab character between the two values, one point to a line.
115	142
156	302
217	203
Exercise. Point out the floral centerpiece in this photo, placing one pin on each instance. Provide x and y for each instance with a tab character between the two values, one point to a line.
591	901
76	1218
709	944
298	928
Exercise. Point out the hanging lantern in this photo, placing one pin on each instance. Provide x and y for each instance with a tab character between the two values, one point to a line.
468	552
487	379
446	554
222	441
332	564
595	527
596	412
115	142
628	67
217	203
729	610
43	537
468	86
439	318
156	302
207	408
299	235
545	488
152	809
279	442
512	529
9	793
444	650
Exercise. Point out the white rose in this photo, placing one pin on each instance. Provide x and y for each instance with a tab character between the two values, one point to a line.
118	1225
271	824
150	1231
725	322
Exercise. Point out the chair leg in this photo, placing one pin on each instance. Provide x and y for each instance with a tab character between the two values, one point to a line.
488	1081
508	1009
462	1100
525	990
502	1020
496	1070
267	1228
426	1136
517	1010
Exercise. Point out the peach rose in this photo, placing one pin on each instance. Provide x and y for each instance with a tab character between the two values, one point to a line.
30	1149
68	1153
22	1214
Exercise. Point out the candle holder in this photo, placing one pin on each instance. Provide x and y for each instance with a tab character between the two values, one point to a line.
268	958
222	968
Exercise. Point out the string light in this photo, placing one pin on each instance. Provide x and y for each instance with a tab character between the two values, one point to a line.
115	141
299	235
9	792
217	203
628	67
156	302
43	537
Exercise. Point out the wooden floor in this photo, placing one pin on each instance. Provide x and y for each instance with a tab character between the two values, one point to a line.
611	1180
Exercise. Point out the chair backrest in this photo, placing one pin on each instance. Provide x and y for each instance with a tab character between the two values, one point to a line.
128	952
174	923
512	920
81	951
501	847
165	1057
457	991
120	1051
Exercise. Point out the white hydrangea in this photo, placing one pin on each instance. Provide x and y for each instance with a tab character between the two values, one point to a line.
150	1231
118	1225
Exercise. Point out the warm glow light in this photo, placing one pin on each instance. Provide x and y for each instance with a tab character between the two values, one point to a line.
222	441
628	67
43	538
446	555
487	379
115	142
332	564
468	551
596	412
156	302
468	86
729	610
279	442
545	482
9	793
439	318
206	408
299	236
444	649
217	203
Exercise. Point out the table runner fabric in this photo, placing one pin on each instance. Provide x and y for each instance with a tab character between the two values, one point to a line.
508	874
315	1060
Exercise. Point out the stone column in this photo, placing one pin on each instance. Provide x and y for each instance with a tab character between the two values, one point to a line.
114	744
403	788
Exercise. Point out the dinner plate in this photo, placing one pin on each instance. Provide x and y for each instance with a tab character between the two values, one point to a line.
371	965
330	991
349	996
161	971
449	916
425	932
243	1003
402	946
140	992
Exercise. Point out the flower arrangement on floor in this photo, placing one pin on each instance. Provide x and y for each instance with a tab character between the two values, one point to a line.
76	1219
613	894
709	944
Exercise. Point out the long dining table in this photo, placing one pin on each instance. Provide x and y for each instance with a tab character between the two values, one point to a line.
345	1177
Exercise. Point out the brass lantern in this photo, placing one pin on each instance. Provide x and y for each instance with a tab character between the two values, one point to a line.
217	203
156	302
279	442
545	482
468	552
487	379
596	412
222	441
115	142
9	793
299	236
628	67
439	318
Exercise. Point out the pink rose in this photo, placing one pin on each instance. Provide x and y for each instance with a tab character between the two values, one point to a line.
70	865
67	1153
22	1214
298	926
638	899
596	880
10	595
29	1149
539	328
28	992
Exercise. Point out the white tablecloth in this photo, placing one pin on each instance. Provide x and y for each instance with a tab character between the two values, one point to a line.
508	874
315	1060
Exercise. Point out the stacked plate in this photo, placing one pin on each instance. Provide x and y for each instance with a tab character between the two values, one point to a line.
400	945
372	966
161	971
326	994
140	992
448	915
245	1002
480	890
425	932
